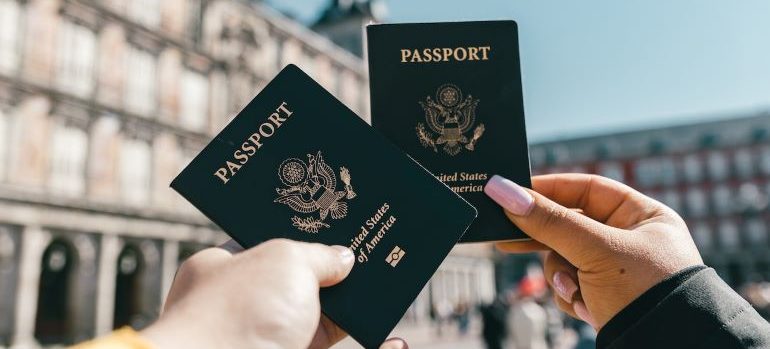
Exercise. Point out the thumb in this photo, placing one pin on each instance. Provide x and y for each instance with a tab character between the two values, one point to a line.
571	234
330	264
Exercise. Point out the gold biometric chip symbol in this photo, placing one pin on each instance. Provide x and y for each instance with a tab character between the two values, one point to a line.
395	256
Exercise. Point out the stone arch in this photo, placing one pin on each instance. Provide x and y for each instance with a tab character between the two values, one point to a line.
54	318
128	286
137	284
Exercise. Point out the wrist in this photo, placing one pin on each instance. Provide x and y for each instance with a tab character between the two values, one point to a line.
174	331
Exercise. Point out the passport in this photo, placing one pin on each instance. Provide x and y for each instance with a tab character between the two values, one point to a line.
296	163
450	95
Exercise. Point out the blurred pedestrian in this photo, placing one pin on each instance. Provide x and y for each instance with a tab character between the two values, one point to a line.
554	322
462	316
443	310
494	321
527	320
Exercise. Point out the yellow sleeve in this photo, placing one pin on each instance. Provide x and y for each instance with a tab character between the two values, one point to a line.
124	338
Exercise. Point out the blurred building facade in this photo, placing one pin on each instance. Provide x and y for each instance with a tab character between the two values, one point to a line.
102	103
715	174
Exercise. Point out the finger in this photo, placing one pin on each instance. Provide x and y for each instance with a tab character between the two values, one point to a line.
329	264
576	310
565	307
561	275
582	313
571	234
521	246
600	198
394	343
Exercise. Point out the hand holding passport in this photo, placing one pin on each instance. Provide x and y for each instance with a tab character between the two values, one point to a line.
297	164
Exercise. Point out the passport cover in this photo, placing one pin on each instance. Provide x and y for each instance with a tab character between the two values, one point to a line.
297	164
449	94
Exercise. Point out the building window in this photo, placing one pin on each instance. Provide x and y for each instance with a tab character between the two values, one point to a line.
764	161
648	172
728	235
750	198
744	163
612	170
140	90
195	98
722	199
756	232
9	35
135	163
103	172
718	167
692	168
697	204
668	173
68	160
75	62
672	199
146	12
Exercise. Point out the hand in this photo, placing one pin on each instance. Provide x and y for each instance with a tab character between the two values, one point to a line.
609	243
264	297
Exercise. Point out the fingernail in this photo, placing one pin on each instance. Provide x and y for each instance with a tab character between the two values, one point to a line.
509	195
394	343
564	286
582	312
346	255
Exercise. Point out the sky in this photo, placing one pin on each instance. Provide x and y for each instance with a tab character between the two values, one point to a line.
599	66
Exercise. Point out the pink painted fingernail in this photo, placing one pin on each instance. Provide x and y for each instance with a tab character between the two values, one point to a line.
564	286
509	195
582	312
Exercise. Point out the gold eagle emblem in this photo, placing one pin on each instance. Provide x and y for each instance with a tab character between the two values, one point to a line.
450	116
312	187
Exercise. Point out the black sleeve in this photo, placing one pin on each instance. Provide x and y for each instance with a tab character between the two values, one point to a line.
692	309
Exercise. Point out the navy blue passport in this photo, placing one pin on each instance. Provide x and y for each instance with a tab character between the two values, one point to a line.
449	95
297	164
